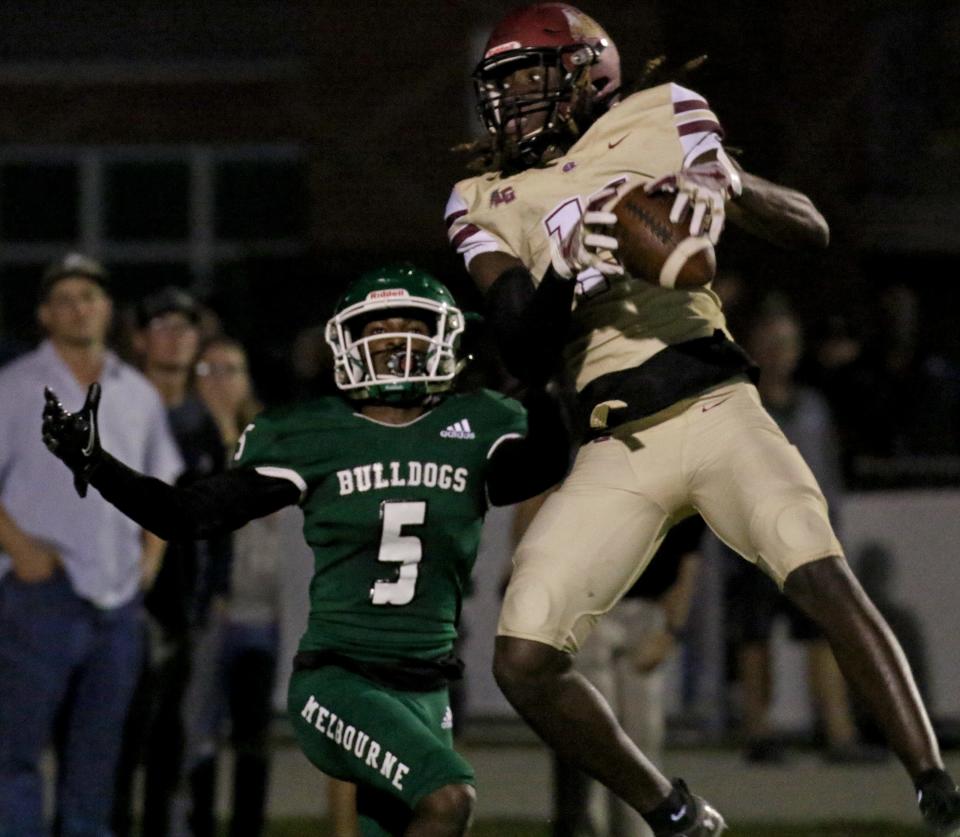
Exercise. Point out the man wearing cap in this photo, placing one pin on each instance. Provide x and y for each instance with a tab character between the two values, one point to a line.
167	342
70	569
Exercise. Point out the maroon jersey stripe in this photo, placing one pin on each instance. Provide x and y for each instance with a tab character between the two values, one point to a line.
453	217
700	126
464	234
690	104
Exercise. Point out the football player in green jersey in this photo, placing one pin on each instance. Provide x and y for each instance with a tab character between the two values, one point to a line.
394	480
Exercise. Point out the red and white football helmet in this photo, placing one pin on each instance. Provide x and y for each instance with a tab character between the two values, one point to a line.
547	71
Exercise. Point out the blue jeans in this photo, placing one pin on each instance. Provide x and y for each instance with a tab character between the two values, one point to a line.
69	665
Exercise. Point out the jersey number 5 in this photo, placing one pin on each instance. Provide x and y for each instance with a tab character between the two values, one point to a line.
405	550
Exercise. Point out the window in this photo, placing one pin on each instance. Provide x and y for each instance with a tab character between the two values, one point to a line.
147	201
39	201
154	215
260	199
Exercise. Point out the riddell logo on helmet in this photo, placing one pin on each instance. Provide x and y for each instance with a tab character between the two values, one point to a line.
391	293
502	48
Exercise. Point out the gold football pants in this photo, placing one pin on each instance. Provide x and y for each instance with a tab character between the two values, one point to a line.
719	454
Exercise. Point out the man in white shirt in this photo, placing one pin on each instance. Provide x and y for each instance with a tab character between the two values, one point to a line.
70	569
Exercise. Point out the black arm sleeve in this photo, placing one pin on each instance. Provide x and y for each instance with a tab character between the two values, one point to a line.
530	323
523	468
205	508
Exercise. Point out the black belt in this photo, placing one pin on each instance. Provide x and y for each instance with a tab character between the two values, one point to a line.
407	675
674	373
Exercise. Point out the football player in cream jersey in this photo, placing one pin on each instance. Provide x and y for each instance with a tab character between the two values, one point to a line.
670	418
394	479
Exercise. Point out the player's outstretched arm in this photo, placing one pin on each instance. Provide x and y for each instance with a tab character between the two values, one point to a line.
778	214
519	469
208	507
528	320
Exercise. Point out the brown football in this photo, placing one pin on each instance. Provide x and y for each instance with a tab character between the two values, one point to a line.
653	248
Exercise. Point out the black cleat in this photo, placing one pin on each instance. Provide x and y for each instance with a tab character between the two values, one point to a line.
939	802
702	819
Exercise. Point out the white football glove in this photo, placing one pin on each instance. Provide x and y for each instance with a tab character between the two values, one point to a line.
581	247
704	188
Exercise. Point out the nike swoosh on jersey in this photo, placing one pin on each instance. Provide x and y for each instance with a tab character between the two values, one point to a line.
615	144
715	404
679	815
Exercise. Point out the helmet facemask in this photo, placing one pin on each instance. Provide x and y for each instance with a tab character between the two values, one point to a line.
395	367
534	99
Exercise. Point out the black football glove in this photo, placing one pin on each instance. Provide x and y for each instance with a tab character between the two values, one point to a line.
74	438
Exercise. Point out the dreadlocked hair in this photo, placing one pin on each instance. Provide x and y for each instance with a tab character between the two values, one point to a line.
481	155
485	158
658	71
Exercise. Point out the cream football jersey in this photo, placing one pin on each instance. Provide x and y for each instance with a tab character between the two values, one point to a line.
618	323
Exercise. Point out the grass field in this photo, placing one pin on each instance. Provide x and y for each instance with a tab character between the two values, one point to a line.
513	828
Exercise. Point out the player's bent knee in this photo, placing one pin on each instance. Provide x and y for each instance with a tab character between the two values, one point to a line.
786	529
524	665
530	606
449	807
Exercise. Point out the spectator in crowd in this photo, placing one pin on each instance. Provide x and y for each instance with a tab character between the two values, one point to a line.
775	342
238	680
70	570
898	396
167	341
625	659
225	388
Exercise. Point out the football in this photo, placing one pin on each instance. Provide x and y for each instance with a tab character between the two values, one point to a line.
653	248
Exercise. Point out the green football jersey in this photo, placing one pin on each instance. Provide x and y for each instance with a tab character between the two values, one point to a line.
391	512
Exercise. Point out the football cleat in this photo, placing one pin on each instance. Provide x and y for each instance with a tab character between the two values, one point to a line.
941	812
707	820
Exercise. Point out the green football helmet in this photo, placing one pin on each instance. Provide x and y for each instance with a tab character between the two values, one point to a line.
417	365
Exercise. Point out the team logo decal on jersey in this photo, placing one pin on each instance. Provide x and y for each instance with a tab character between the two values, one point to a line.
447	722
378	476
459	430
501	196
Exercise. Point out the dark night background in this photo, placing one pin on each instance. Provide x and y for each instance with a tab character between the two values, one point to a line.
263	153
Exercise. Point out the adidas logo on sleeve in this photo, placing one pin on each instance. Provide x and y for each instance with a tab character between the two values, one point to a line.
458	430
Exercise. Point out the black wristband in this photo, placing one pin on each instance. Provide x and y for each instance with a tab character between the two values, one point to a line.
676	813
